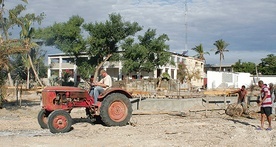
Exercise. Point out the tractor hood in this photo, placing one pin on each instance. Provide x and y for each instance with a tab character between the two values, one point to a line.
63	88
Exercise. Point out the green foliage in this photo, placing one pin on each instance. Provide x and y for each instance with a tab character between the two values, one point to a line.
25	22
220	49
181	72
165	75
105	36
103	40
65	79
19	69
150	53
200	52
16	17
38	56
248	67
268	65
85	68
7	22
64	36
3	76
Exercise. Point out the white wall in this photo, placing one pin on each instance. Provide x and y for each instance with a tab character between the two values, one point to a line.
213	79
217	79
244	79
266	79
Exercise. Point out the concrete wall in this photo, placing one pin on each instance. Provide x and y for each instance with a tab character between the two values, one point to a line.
182	105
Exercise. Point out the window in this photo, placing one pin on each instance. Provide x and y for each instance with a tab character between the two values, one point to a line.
173	58
54	60
184	60
67	60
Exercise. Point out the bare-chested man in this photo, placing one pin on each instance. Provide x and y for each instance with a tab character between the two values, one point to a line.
242	94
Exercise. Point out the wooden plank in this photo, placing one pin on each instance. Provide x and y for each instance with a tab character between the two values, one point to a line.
215	101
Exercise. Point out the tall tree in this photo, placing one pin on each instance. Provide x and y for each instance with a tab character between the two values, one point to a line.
200	52
67	37
25	22
220	49
102	42
27	64
8	48
148	54
27	33
248	67
6	24
105	38
268	65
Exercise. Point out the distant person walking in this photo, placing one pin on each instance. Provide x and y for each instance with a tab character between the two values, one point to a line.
273	96
266	105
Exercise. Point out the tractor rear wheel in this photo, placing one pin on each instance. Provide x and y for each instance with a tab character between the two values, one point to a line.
116	110
59	121
42	118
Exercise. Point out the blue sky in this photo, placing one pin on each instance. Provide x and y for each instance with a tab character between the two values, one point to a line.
247	25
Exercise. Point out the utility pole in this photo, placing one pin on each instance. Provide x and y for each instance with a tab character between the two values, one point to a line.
186	26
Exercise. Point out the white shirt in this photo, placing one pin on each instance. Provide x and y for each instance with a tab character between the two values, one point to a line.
107	81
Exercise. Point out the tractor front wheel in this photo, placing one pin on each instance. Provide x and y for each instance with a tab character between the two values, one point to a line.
42	118
59	121
116	110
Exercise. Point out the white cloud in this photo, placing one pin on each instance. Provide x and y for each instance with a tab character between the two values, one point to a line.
247	25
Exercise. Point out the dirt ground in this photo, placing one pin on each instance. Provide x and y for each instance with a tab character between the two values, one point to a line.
19	127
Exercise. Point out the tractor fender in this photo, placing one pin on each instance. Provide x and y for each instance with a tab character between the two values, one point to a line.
114	90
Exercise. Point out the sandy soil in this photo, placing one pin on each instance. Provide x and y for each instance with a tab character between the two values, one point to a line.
19	127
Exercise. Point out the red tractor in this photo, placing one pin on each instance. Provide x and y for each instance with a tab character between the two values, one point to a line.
113	107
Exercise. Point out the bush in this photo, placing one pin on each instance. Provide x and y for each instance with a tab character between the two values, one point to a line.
165	76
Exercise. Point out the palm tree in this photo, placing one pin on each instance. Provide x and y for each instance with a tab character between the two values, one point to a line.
7	48
27	65
7	23
221	48
27	33
200	52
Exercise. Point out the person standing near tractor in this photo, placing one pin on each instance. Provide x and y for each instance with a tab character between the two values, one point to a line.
273	97
100	86
266	105
242	93
79	83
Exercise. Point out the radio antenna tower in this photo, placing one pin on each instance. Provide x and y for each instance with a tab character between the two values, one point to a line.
186	26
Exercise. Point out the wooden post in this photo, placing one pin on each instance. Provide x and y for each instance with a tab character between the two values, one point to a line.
16	91
138	103
20	96
224	101
207	106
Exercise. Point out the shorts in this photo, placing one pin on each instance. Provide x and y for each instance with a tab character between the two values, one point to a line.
266	110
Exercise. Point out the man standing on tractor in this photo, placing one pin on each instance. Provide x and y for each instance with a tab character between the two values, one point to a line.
104	83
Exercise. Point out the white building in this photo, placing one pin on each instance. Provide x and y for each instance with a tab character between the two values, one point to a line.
59	63
224	80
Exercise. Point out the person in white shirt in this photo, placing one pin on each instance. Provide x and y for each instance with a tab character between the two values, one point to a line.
101	86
